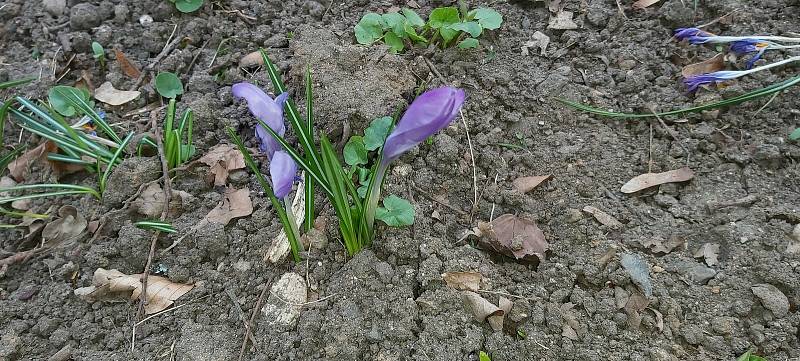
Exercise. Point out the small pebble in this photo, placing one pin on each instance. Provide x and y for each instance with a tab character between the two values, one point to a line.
145	20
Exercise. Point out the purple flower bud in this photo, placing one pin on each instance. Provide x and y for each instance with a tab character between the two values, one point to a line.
429	113
694	35
282	170
265	109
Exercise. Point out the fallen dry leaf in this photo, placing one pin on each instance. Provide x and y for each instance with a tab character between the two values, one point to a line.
707	66
562	21
483	310
648	180
68	227
222	159
659	318
235	204
634	307
251	59
161	292
658	246
709	252
603	217
106	93
569	332
128	68
496	320
463	281
151	202
20	167
540	40
514	237
526	184
641	4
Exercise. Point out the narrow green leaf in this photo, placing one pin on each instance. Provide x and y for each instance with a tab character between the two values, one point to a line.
483	356
8	158
113	161
58	101
65	189
396	212
78	99
309	181
16	82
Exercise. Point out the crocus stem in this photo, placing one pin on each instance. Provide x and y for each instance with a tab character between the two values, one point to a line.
730	39
374	195
287	203
769	66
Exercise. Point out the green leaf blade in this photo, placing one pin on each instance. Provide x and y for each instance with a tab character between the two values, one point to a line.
369	29
468	43
471	27
413	18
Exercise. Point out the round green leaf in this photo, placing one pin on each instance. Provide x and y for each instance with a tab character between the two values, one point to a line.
98	50
488	18
395	43
59	103
473	28
396	212
795	134
468	43
441	17
413	18
187	6
395	22
354	151
376	133
369	28
168	85
412	34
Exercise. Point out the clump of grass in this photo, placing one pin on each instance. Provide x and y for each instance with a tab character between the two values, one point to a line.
177	137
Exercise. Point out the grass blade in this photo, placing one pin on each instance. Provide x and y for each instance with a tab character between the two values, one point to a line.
156	226
8	158
113	160
78	102
17	82
333	172
309	181
16	214
66	189
288	228
758	93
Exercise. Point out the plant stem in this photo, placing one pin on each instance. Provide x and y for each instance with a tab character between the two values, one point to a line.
287	203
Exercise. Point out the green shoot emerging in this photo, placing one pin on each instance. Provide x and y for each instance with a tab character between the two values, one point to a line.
156	226
99	54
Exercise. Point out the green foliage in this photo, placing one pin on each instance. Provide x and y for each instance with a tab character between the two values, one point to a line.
795	134
445	25
168	85
396	212
355	152
156	226
16	82
176	150
376	133
748	356
59	96
187	6
99	54
483	356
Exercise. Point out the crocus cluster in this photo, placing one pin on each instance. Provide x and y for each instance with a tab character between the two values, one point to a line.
282	168
739	45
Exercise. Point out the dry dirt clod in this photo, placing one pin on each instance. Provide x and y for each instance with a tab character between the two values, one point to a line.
709	252
285	301
772	298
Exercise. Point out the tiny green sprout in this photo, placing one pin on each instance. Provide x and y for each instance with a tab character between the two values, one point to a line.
99	54
521	333
187	6
168	85
748	356
795	135
156	226
483	356
290	35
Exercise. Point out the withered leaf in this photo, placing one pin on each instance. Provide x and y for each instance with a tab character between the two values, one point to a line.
235	204
658	246
648	180
603	217
279	248
641	4
161	292
464	281
527	184
251	59
496	320
562	21
482	309
514	237
151	202
20	167
128	68
568	332
540	40
709	252
68	227
639	271
707	66
106	93
222	159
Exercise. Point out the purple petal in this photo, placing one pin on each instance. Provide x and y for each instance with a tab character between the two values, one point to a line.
267	144
429	113
261	105
282	170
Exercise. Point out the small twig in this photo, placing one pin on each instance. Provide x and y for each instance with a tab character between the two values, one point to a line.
718	19
167	49
768	102
714	206
474	168
432	198
164	211
19	257
650	151
500	293
159	313
249	324
672	134
434	70
194	59
621	10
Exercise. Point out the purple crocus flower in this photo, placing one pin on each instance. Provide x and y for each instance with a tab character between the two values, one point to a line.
694	35
282	171
747	46
429	113
694	81
266	109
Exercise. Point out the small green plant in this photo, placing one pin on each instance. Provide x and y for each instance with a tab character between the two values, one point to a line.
187	6
177	137
99	54
748	356
168	85
156	226
445	26
483	356
78	143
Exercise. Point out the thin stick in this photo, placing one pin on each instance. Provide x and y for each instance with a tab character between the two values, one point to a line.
474	168
768	102
718	19
434	70
164	211
621	10
167	49
248	325
650	151
159	313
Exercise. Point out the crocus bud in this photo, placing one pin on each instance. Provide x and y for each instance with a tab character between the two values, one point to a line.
265	109
282	170
429	113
